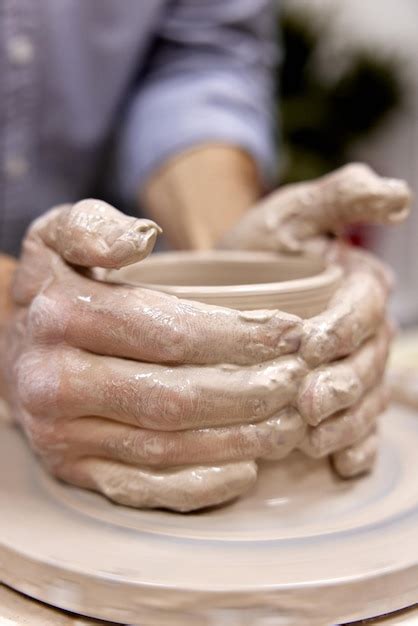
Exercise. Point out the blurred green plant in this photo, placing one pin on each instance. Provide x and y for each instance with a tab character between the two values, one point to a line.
321	119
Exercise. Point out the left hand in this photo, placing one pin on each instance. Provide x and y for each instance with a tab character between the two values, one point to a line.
348	343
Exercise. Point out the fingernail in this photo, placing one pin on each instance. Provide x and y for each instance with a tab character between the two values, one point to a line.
133	245
145	225
401	199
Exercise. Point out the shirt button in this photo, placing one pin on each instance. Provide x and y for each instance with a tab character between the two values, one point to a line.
20	50
15	166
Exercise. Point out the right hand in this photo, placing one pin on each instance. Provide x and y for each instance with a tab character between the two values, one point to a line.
117	387
347	344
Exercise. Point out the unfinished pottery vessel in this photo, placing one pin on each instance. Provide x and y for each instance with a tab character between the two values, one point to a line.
243	280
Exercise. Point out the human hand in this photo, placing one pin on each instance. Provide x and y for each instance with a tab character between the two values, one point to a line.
346	346
119	389
294	216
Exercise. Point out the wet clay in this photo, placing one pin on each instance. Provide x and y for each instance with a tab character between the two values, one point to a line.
131	398
181	434
307	396
124	385
19	610
296	214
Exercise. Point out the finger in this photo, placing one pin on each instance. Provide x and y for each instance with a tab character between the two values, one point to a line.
355	194
351	258
355	259
353	315
357	459
72	384
300	212
334	387
181	489
98	437
346	428
151	326
89	233
92	233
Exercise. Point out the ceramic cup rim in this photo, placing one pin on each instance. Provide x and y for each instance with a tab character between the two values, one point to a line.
328	275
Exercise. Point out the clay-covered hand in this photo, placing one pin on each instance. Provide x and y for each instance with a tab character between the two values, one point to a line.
346	346
341	402
296	214
118	388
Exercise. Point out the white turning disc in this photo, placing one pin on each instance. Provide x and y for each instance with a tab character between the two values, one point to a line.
304	547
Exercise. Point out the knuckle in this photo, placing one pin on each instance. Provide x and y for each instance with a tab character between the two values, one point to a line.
42	436
36	381
175	345
137	446
180	404
319	343
48	315
359	171
171	408
43	381
152	448
162	331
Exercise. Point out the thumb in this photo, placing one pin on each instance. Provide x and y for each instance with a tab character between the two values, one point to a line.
91	233
355	194
298	213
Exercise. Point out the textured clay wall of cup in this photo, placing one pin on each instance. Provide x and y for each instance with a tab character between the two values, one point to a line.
301	285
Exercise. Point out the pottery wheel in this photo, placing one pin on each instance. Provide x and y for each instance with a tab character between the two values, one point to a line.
303	545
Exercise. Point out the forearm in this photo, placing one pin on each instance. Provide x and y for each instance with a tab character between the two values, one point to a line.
7	268
201	193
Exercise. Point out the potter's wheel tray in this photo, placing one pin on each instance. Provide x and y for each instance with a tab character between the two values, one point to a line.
302	544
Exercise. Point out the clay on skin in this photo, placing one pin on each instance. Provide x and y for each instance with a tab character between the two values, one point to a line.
135	399
297	214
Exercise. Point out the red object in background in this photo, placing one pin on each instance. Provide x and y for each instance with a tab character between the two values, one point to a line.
360	236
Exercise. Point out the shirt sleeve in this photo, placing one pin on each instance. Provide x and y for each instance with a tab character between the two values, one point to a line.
210	78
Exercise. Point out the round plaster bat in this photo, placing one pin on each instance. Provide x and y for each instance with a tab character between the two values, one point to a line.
303	546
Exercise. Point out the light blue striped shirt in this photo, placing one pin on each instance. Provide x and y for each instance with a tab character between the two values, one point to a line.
146	77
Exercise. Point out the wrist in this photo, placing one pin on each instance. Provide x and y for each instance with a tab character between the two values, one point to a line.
200	194
7	269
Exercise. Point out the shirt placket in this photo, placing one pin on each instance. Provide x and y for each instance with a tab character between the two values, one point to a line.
19	93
